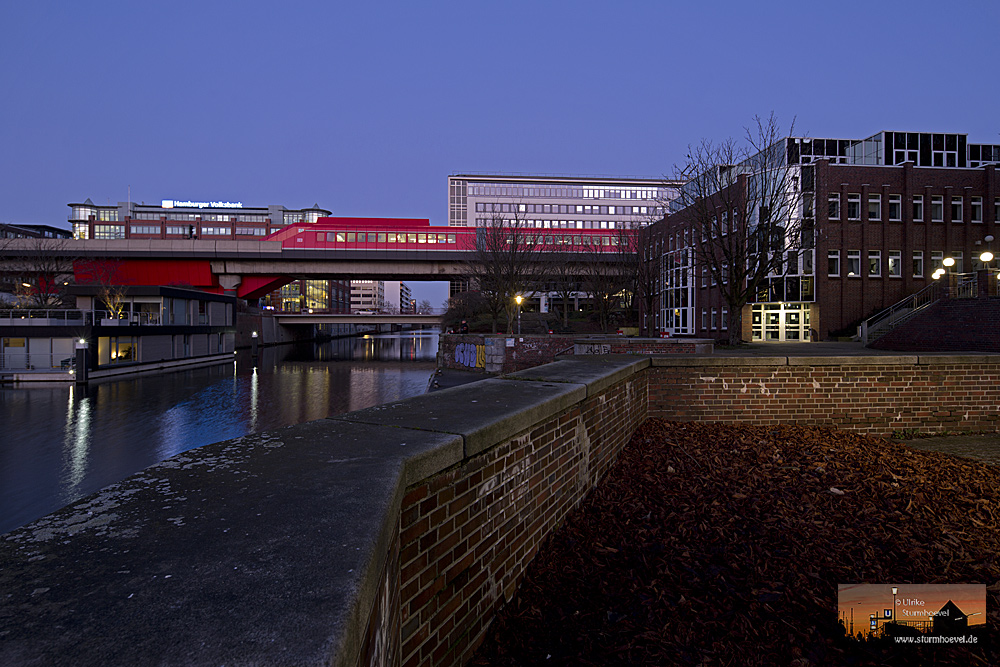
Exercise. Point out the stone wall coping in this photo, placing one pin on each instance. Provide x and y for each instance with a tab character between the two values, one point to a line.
484	413
866	360
596	373
636	339
265	549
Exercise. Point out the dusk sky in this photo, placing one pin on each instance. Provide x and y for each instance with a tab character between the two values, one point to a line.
366	108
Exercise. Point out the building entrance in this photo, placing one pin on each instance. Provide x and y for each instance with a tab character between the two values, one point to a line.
781	322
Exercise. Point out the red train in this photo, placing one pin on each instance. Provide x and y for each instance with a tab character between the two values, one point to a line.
419	234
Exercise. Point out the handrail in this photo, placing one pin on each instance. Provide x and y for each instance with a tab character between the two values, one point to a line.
881	323
71	317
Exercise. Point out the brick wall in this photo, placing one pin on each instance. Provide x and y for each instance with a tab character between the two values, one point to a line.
876	395
490	353
468	534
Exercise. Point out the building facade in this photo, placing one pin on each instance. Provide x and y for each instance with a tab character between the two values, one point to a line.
882	214
557	202
176	219
367	296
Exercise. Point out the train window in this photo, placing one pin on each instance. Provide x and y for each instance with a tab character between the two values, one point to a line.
432	238
442	238
392	238
381	237
451	238
421	238
341	236
350	237
329	237
319	236
371	237
576	240
411	238
548	239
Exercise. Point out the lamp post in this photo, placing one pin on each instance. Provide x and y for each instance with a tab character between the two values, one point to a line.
894	591
518	299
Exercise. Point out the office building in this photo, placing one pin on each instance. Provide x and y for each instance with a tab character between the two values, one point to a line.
880	215
557	202
177	219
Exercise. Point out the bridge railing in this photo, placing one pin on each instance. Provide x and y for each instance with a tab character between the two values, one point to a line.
74	317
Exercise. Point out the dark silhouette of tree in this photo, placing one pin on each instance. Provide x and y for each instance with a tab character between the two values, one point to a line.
747	213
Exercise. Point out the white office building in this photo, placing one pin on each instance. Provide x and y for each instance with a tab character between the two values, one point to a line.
558	202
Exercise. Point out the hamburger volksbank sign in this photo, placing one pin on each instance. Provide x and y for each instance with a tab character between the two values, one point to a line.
173	203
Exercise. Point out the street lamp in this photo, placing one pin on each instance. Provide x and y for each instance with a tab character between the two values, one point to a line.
518	299
894	591
987	256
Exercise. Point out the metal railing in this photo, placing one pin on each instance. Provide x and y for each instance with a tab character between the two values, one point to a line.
37	361
882	323
73	317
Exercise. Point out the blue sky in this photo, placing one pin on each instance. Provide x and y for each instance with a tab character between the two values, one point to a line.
366	108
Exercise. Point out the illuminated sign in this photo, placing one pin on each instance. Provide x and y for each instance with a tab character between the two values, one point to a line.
174	203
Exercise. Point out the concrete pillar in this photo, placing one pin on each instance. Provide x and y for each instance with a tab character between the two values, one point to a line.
230	283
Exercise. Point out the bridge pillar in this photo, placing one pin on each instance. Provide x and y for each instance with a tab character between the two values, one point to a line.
230	283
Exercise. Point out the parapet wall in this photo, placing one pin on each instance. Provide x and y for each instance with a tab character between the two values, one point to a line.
879	395
386	536
390	535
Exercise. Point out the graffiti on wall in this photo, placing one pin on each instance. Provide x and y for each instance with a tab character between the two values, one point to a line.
470	355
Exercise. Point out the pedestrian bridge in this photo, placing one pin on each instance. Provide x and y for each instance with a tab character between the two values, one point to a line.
381	318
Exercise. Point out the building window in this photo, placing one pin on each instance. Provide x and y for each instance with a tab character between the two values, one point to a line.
725	319
957	214
704	319
704	276
895	208
833	207
833	263
874	207
977	209
996	210
715	319
959	262
918	263
104	232
853	207
937	208
874	263
937	260
918	208
895	264
853	263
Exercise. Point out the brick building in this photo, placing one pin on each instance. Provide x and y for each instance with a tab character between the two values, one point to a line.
881	215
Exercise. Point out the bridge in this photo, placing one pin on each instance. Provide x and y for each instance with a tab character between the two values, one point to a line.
340	248
379	318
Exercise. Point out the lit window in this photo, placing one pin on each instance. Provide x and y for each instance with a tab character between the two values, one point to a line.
895	264
875	263
853	263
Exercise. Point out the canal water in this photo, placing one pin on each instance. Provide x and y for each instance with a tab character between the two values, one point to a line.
59	443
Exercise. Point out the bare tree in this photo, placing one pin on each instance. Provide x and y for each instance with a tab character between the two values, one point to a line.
638	251
603	278
504	264
742	205
40	270
563	277
425	307
107	275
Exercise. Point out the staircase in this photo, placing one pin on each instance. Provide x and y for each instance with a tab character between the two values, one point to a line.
879	325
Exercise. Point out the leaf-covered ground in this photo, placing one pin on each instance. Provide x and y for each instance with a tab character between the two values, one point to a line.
723	545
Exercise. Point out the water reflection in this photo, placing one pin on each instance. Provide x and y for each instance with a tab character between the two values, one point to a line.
62	442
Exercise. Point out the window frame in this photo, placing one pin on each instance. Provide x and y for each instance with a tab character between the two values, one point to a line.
853	257
917	205
833	206
854	206
976	210
918	256
895	212
895	259
874	206
832	256
959	202
937	208
875	261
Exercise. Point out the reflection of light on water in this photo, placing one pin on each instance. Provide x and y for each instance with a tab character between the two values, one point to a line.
76	441
254	388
